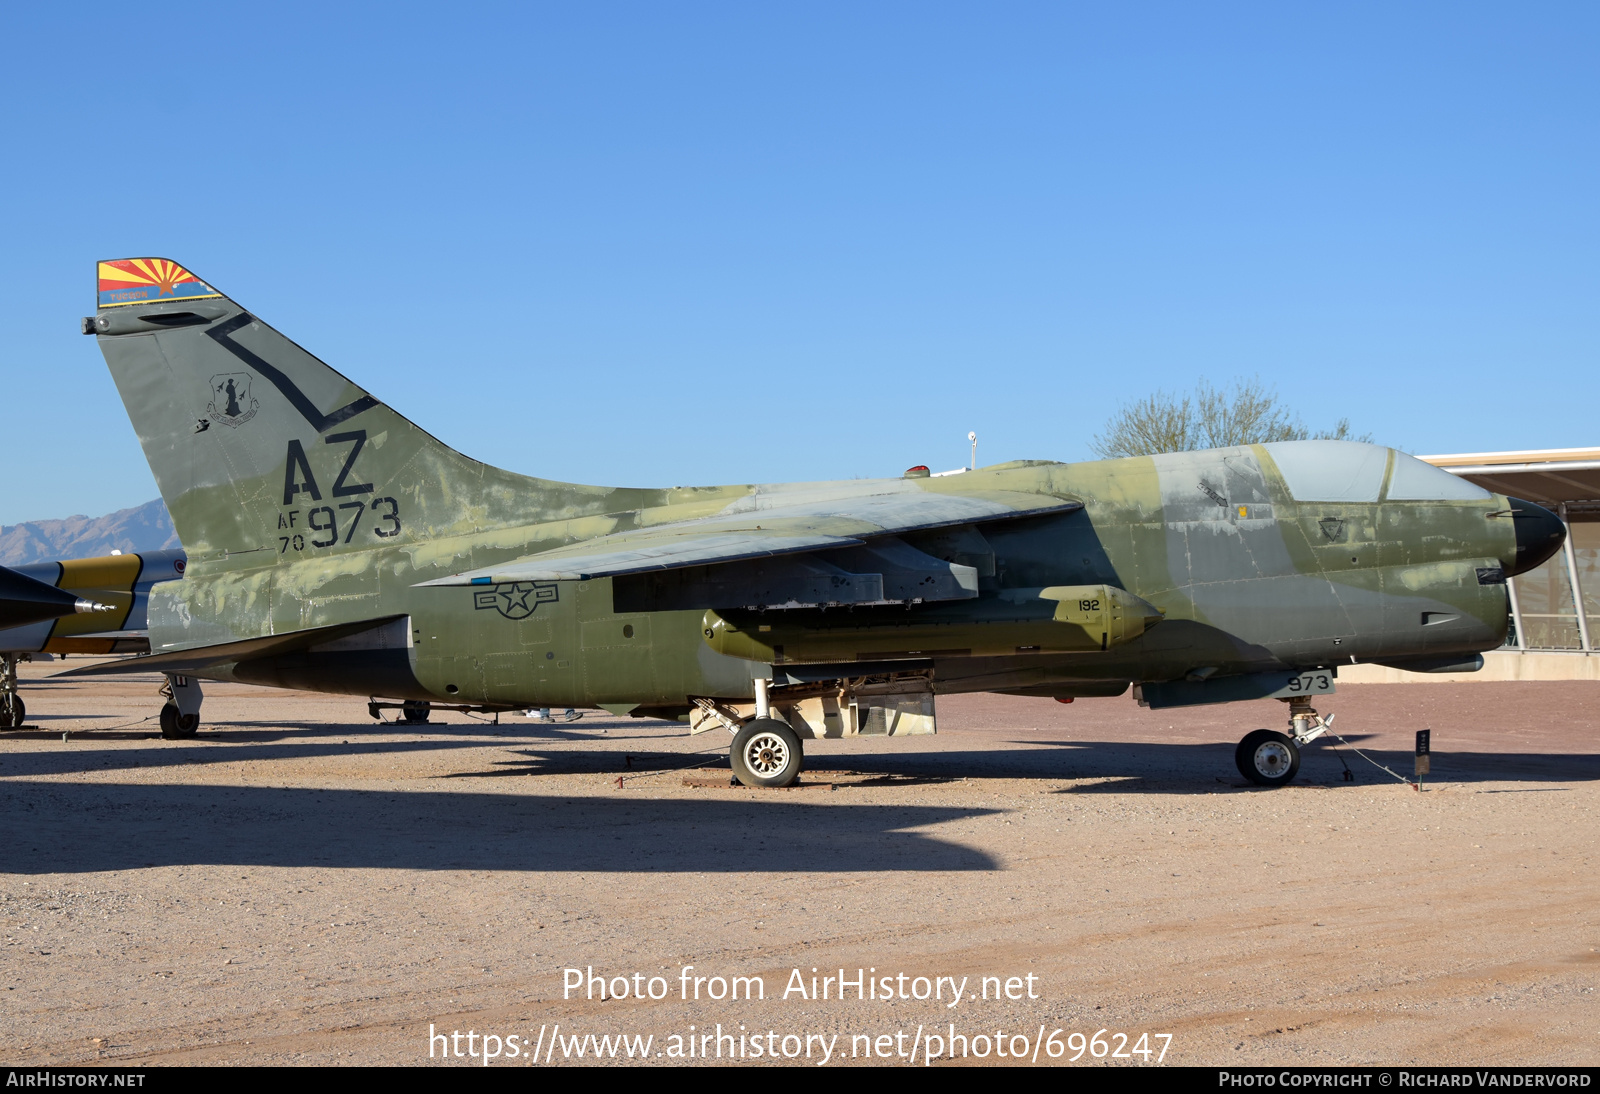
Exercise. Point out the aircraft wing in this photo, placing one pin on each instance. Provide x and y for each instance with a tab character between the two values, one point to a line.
752	551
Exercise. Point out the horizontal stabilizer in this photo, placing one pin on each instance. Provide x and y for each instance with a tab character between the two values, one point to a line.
763	531
201	658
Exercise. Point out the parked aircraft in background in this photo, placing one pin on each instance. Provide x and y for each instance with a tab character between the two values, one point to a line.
334	545
24	600
81	605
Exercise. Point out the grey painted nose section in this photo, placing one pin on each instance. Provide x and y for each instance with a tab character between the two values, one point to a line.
1540	534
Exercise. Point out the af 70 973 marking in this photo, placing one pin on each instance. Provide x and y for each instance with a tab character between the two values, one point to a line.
331	523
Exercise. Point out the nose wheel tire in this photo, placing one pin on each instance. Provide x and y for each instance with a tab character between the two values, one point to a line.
12	711
176	726
766	752
415	713
1268	758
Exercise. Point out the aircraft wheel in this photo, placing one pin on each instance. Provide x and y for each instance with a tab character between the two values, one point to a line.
766	752
13	712
1268	758
176	726
415	713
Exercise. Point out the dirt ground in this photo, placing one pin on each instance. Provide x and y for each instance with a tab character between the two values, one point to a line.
300	884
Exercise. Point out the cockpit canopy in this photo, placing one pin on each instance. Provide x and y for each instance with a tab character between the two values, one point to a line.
1354	472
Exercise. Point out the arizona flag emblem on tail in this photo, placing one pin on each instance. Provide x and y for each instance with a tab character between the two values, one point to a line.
141	280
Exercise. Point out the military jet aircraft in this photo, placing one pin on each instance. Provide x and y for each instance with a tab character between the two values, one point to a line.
81	605
333	545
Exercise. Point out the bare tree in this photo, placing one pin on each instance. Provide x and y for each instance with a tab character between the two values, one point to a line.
1210	417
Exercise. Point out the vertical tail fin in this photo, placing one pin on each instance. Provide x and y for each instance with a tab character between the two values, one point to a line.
258	446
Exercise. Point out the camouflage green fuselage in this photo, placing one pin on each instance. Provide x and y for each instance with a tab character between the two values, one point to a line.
1285	584
304	503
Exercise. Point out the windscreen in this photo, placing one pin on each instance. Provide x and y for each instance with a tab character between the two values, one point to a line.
1414	480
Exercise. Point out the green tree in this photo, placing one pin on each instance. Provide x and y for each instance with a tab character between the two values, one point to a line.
1208	417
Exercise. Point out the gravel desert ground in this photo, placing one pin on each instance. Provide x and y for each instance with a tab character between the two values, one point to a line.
300	884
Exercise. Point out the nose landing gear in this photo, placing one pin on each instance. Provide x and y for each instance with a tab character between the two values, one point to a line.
1269	758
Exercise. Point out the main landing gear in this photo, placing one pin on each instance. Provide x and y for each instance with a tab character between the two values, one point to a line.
180	717
766	752
1269	758
12	710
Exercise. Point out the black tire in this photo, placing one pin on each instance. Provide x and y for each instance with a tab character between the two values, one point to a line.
414	712
175	726
766	753
1268	758
13	711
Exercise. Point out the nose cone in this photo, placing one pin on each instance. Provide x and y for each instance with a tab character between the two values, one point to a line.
1539	535
24	600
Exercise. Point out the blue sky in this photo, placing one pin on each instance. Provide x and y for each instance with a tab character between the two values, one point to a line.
661	244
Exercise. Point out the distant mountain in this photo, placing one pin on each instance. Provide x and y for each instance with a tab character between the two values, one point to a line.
144	528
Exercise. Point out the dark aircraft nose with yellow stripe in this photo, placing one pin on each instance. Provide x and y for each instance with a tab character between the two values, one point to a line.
82	605
24	600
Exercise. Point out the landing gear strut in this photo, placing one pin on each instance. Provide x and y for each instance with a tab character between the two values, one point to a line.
1269	758
180	717
766	751
12	710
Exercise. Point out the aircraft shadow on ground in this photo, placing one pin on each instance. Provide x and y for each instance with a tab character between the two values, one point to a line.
298	742
1142	767
55	827
1126	767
